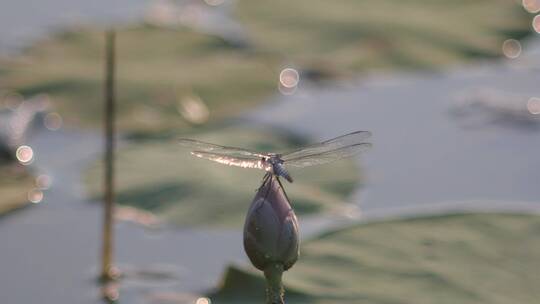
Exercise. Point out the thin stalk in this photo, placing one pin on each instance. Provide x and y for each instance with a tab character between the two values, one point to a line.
109	95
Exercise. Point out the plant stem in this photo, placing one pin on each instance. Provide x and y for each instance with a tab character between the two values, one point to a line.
108	221
274	287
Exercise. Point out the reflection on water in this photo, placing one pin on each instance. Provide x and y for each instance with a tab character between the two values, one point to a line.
110	291
485	106
157	275
138	216
148	279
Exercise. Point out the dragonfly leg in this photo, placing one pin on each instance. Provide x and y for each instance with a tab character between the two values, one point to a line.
267	176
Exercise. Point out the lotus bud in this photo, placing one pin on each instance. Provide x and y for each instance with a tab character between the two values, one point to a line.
271	235
271	228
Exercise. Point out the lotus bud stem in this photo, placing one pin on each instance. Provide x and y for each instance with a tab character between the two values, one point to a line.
274	287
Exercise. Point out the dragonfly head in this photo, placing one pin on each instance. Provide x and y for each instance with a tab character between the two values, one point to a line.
274	159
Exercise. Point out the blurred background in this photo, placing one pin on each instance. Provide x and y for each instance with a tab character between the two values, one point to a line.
443	209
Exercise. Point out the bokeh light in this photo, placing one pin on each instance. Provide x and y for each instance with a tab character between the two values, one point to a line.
203	301
533	105
110	291
511	48
288	81
531	6
193	109
53	121
289	78
35	196
25	155
536	23
114	272
43	182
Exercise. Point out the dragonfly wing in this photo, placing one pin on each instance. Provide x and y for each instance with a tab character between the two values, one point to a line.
329	145
327	156
202	146
243	162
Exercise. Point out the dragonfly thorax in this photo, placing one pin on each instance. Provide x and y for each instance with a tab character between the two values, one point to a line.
274	164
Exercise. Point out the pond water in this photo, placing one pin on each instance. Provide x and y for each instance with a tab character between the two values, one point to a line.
24	21
423	156
50	251
424	161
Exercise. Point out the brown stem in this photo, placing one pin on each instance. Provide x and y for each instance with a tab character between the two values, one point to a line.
108	222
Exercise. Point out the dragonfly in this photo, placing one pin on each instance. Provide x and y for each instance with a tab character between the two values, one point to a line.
275	163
